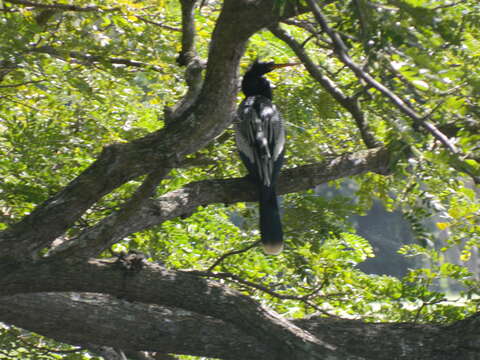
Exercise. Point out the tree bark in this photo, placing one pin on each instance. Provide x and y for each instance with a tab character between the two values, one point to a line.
210	114
99	302
92	318
157	285
183	202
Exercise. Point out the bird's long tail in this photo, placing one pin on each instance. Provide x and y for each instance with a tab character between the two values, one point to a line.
270	223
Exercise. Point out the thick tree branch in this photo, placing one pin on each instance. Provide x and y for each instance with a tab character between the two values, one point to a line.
194	82
119	163
126	215
157	285
84	319
123	162
185	201
149	327
400	341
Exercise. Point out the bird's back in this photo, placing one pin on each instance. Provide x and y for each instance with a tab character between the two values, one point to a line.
260	138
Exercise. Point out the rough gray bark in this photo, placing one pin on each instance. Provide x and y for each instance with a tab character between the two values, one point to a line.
185	201
165	148
157	285
97	302
128	325
142	323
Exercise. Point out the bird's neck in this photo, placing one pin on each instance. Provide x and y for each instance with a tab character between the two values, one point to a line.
253	85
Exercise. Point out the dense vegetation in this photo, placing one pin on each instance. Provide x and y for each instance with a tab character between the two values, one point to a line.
116	136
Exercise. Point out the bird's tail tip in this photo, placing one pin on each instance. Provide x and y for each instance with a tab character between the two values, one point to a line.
273	248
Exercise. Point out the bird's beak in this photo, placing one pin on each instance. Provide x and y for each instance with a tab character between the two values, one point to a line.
277	66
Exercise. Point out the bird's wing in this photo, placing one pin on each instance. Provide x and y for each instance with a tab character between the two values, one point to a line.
260	137
244	135
273	128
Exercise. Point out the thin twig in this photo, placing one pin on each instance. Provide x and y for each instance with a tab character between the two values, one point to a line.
21	84
424	304
62	7
349	103
342	52
238	279
89	59
263	288
320	310
235	252
229	276
447	5
19	102
47	350
144	19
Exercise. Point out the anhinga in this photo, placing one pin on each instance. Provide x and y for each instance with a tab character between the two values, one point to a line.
260	137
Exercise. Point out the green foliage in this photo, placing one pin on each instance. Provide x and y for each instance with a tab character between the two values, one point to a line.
65	95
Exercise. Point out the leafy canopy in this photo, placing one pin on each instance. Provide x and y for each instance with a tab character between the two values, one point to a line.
73	82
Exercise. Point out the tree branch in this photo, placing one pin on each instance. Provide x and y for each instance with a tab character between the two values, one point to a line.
187	57
231	253
157	285
350	104
126	215
148	21
150	327
165	148
185	201
60	7
108	353
342	52
89	59
188	52
86	319
119	163
22	84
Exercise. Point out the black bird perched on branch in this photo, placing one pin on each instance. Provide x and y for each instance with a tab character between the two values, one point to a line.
260	136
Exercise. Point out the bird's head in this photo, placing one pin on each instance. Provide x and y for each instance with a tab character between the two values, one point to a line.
254	83
260	68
